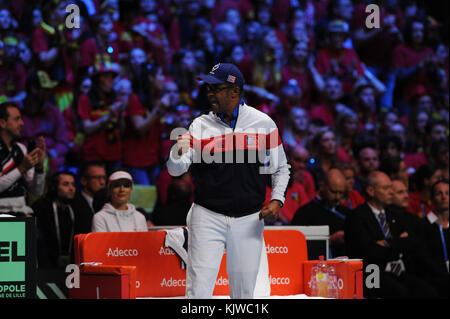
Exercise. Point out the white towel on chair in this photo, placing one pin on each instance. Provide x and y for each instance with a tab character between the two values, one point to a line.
176	239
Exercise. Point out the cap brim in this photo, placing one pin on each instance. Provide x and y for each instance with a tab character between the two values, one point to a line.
120	175
210	79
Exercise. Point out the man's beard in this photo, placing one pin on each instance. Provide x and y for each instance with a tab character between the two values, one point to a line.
65	200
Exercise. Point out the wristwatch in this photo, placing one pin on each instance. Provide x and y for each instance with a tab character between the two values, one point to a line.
279	201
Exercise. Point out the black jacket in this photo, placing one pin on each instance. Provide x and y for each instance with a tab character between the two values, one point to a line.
362	231
315	213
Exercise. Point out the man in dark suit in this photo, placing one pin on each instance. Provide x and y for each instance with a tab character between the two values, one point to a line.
382	237
55	220
435	237
92	179
326	209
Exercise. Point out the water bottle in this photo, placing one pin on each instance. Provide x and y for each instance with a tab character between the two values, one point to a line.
322	278
333	291
313	281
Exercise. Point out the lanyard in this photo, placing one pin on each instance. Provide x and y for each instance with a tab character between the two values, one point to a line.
349	203
334	211
422	208
58	230
444	244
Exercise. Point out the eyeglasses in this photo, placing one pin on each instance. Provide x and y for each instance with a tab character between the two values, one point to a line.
216	89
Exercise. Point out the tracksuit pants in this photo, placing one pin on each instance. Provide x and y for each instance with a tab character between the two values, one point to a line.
209	234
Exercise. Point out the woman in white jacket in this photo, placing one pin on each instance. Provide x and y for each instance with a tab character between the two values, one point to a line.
117	215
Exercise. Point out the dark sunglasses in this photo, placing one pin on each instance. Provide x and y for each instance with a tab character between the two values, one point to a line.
216	89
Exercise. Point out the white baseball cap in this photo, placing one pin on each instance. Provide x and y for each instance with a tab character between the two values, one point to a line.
119	175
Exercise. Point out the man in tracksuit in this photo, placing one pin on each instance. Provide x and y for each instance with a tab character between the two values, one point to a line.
231	152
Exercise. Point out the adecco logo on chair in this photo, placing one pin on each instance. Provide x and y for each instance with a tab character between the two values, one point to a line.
140	249
160	275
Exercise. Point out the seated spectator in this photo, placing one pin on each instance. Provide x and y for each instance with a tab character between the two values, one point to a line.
12	70
176	208
442	107
117	215
301	188
141	139
325	152
169	104
326	209
296	130
300	67
352	198
380	236
163	182
420	203
331	106
411	60
265	84
56	220
346	129
416	131
314	127
42	118
22	169
398	129
368	161
92	177
400	202
441	63
140	73
439	156
386	120
395	168
101	114
298	158
184	70
242	59
337	60
375	44
400	195
365	94
280	108
103	45
435	130
436	236
54	48
138	27
390	146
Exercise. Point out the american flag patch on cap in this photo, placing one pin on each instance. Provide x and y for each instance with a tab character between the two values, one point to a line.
231	79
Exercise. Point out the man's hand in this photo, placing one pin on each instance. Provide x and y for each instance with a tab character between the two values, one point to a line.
29	161
337	237
382	243
183	143
42	150
270	212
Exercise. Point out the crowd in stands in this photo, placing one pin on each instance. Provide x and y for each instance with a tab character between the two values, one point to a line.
107	93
